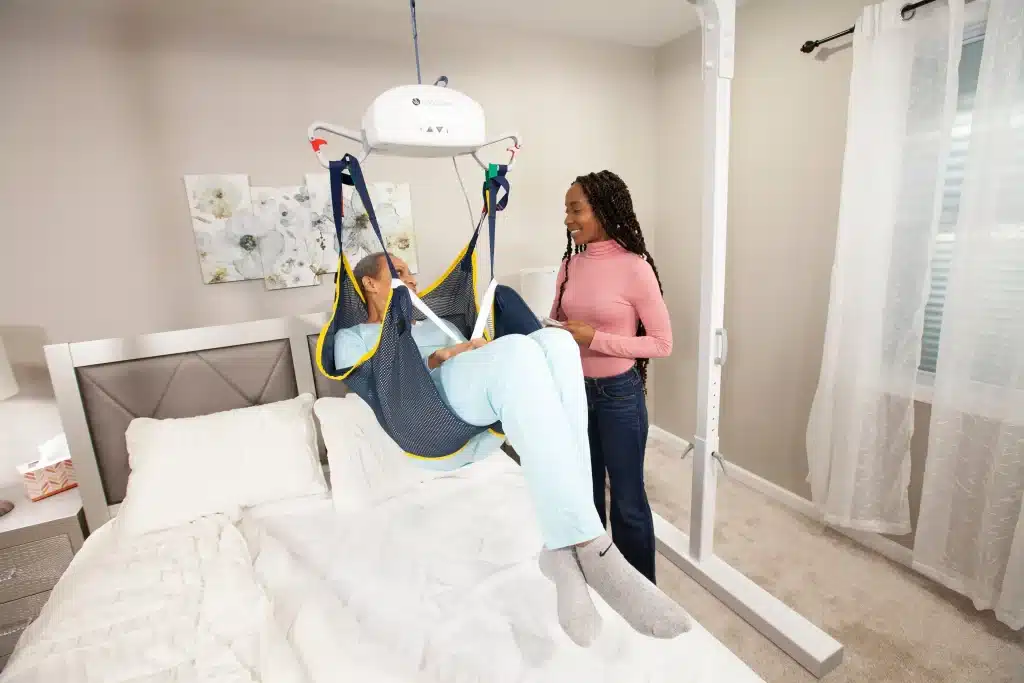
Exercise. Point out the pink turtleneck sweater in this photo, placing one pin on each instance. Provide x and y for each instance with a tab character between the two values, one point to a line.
611	289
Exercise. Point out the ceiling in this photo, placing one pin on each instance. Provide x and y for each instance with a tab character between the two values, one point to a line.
642	23
639	23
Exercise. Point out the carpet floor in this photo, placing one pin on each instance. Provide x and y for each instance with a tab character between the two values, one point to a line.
895	625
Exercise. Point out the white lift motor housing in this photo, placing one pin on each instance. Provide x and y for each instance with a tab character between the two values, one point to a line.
424	121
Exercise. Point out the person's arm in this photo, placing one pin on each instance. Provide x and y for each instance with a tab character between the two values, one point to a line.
645	295
555	313
441	355
349	348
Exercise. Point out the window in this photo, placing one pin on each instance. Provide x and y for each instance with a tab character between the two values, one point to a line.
942	255
1003	285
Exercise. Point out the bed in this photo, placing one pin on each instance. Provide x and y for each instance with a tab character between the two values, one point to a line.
392	573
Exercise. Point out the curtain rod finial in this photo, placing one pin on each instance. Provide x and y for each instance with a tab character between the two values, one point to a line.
809	47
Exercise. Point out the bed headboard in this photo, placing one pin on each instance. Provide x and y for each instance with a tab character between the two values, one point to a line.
100	386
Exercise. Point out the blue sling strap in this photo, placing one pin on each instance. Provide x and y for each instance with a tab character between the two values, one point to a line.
511	314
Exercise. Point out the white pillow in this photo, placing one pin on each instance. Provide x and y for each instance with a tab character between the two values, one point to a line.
187	468
367	466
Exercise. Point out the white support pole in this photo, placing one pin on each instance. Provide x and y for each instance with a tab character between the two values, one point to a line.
718	22
814	649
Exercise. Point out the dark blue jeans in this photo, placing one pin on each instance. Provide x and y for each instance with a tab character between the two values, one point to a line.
618	428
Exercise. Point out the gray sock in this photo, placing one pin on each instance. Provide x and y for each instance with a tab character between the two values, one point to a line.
628	592
576	611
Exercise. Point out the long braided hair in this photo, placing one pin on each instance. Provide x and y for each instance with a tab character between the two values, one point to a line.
612	204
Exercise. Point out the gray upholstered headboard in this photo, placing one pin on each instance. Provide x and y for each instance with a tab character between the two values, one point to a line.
101	386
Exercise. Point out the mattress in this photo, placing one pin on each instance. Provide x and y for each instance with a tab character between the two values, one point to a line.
441	583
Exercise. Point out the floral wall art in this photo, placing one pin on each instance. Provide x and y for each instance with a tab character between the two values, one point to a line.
285	235
289	252
222	220
322	219
392	204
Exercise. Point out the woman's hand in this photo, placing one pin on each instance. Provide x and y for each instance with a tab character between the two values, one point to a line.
440	356
581	332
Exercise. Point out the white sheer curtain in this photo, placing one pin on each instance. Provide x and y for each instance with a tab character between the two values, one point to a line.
970	534
902	104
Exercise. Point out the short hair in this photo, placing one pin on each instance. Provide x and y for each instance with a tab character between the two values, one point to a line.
368	266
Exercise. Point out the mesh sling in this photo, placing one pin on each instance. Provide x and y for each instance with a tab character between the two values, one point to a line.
392	378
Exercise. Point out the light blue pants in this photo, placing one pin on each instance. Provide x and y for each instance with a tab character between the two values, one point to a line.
534	386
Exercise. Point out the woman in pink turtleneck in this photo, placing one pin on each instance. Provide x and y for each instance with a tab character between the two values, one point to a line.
609	297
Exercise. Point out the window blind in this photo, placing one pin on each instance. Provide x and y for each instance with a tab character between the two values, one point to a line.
1003	285
942	253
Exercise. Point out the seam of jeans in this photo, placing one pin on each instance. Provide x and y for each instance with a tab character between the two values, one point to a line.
636	390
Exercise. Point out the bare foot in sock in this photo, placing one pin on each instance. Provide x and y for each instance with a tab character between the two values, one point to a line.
576	611
628	592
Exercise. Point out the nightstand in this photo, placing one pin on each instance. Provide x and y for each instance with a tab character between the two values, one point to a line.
37	542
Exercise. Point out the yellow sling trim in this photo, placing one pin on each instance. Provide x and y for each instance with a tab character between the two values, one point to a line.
448	271
344	265
323	332
330	321
476	300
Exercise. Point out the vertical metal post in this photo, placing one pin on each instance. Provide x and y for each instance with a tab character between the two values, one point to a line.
718	22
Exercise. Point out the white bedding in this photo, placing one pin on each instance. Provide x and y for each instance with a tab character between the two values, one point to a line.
174	606
438	583
441	583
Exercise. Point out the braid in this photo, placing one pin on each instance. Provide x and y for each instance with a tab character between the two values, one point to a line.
569	251
611	202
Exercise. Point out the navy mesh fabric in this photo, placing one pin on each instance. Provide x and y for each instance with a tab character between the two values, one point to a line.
394	381
453	298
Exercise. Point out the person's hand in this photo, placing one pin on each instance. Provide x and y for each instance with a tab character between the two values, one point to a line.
440	356
435	359
581	332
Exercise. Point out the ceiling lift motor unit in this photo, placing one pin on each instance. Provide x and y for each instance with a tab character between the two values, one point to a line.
424	121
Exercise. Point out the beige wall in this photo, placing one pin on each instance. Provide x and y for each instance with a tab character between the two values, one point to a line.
103	113
788	134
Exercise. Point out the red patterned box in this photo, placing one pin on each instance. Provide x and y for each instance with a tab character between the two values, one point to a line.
52	473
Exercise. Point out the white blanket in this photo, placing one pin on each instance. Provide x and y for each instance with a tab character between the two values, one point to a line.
438	583
441	583
172	607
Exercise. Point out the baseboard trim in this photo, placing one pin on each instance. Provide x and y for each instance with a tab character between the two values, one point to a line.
886	547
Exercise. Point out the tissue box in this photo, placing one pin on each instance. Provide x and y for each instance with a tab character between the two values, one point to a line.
52	473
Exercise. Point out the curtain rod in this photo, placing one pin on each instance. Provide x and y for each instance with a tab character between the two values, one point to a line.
908	12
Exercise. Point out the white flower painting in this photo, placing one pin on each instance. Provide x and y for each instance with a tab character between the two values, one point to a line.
392	205
322	219
227	237
285	235
288	245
